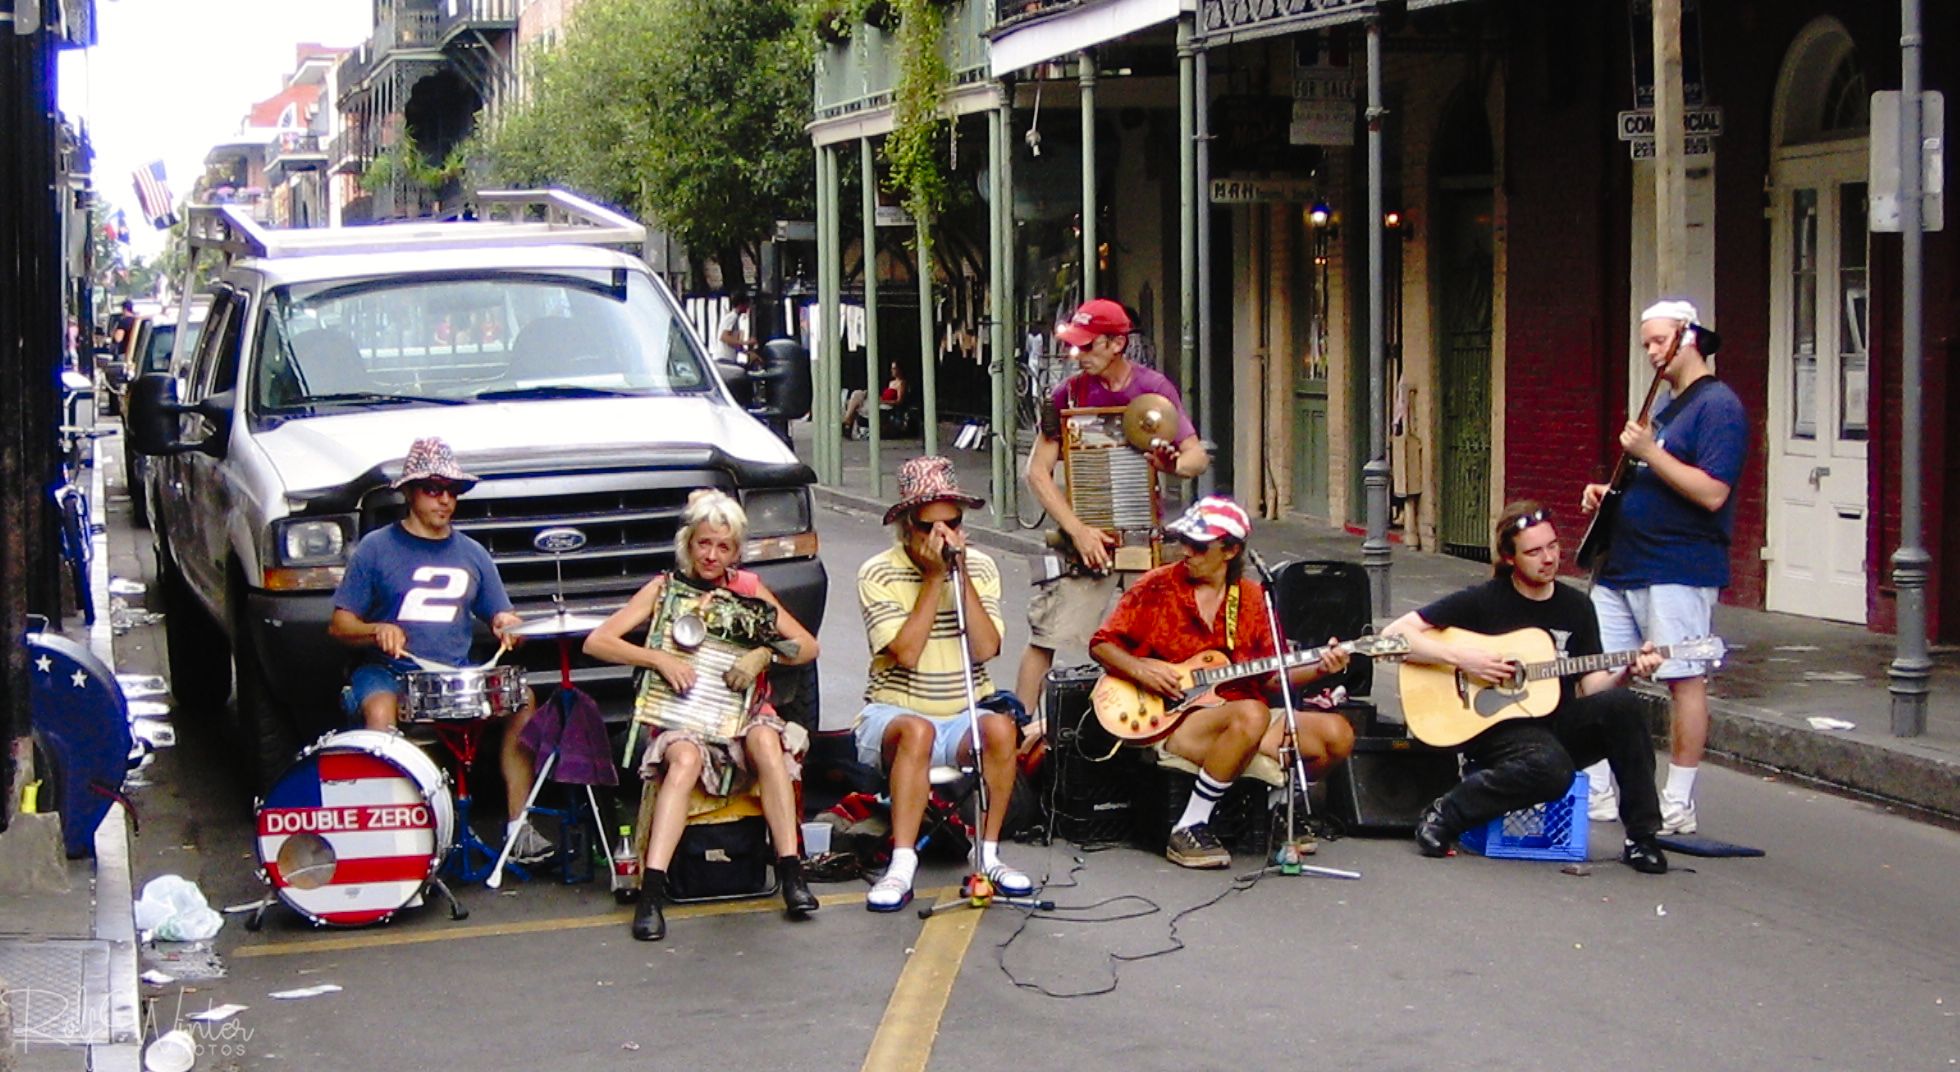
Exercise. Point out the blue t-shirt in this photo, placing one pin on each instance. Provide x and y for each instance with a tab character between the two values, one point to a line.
1662	537
424	586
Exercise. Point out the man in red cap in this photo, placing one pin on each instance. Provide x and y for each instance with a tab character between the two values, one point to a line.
1205	603
1068	608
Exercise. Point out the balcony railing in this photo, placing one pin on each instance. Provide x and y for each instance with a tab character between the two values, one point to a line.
295	147
355	67
406	29
1006	11
456	16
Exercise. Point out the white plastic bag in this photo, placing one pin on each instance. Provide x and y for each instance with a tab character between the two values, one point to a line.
173	909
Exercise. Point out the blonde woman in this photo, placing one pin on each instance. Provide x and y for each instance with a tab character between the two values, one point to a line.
707	552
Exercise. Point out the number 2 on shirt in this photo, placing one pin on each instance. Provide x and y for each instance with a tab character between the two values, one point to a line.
438	597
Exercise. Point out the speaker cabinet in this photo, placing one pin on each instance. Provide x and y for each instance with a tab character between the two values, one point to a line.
1089	784
1386	783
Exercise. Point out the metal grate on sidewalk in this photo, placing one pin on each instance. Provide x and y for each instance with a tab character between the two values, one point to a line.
57	989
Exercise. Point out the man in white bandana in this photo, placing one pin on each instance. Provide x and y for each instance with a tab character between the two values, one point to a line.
1669	553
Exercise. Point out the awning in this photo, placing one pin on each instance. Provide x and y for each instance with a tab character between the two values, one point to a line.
1070	30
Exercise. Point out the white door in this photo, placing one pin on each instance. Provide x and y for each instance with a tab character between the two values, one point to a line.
1819	417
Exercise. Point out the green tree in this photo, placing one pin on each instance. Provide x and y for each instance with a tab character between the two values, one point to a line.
685	111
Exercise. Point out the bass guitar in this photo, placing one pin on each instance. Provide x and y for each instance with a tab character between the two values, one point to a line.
1599	532
1445	706
1136	714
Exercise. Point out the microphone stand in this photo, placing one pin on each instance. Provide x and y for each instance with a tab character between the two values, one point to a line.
976	891
1287	857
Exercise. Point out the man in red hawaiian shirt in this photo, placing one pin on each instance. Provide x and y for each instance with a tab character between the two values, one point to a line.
1204	603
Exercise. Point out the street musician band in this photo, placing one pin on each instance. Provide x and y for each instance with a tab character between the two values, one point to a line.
1177	651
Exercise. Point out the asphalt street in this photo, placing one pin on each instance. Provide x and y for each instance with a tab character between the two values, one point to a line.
1836	950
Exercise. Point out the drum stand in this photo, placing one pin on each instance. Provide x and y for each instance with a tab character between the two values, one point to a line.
566	816
461	739
976	890
1287	855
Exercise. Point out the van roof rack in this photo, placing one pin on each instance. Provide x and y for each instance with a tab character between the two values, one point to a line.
507	218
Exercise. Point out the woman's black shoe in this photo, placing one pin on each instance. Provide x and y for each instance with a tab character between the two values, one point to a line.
649	925
797	897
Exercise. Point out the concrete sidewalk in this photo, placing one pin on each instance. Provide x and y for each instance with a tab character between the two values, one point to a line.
1782	670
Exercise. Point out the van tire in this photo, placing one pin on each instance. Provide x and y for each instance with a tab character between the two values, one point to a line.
269	740
199	655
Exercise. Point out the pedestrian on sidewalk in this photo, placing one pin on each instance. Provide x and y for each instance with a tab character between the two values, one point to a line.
1068	608
1668	554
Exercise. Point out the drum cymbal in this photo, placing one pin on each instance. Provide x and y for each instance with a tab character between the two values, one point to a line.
557	625
1149	422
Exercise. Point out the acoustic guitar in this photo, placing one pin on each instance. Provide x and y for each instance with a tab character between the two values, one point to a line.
1599	532
1136	714
1445	706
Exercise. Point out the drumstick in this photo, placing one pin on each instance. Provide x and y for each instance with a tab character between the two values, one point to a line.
496	878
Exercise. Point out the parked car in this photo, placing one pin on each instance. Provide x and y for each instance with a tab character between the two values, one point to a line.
558	367
155	342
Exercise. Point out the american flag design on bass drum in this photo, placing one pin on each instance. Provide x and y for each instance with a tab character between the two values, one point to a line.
355	828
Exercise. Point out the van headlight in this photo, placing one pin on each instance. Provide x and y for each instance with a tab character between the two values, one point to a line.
780	524
308	553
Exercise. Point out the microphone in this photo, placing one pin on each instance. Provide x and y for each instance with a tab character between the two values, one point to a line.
951	554
1259	563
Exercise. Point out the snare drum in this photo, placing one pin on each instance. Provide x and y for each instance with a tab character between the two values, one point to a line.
355	828
462	694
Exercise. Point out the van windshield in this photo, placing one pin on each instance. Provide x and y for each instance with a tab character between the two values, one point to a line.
451	340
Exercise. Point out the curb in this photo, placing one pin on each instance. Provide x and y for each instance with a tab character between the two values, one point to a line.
115	896
1896	772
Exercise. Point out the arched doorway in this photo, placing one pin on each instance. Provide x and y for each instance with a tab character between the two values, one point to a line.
1461	260
1820	318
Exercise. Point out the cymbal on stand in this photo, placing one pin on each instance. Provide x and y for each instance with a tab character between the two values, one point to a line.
557	625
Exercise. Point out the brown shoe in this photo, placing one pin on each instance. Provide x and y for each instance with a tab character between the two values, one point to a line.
1195	846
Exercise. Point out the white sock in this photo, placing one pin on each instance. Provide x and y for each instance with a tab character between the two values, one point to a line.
1599	780
511	827
989	855
905	863
1205	795
1680	784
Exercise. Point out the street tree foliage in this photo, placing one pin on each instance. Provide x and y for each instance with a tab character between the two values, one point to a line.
690	112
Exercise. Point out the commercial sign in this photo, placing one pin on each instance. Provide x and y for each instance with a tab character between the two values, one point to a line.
1639	123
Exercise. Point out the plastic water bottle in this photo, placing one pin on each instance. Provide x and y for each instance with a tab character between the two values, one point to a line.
625	862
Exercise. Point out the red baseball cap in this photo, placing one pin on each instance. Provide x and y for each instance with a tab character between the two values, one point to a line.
1093	318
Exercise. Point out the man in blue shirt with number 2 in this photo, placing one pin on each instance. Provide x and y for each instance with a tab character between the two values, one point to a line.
414	587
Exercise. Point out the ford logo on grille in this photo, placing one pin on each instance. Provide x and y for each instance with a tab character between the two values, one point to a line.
558	541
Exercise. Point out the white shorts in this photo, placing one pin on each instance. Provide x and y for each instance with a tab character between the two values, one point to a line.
1663	613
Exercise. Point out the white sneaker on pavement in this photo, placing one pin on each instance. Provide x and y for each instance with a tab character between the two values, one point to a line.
1677	817
1603	802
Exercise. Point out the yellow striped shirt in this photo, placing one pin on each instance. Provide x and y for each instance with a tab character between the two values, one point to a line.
888	588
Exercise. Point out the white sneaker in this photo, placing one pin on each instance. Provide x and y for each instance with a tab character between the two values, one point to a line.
531	847
1603	802
1677	817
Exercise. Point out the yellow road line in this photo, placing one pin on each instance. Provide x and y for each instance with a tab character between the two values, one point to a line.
376	939
911	1021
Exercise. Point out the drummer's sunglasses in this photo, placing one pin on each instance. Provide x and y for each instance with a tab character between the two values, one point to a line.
439	487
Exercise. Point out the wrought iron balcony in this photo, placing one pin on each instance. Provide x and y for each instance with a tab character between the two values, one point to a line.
294	150
1006	11
458	16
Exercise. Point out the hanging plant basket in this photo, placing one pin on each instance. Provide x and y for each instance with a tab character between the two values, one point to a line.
834	25
881	13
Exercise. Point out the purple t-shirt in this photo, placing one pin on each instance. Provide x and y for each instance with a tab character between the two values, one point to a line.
1083	391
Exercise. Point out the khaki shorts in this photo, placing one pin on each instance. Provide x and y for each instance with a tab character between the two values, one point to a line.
1069	610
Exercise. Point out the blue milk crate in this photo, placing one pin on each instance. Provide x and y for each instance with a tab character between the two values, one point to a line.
1552	831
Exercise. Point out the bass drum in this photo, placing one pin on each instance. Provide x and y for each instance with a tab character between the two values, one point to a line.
355	829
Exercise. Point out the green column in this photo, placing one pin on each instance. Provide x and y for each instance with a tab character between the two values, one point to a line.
1086	77
874	370
928	359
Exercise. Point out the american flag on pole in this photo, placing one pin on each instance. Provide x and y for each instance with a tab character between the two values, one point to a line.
154	195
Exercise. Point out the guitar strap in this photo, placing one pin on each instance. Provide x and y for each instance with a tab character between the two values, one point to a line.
1232	621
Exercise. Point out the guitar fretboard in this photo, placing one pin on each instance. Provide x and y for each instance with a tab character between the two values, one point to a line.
1271	664
1586	664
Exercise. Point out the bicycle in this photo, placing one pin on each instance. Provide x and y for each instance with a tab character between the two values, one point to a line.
72	505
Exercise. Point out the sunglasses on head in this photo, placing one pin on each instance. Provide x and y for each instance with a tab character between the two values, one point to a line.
1536	517
922	526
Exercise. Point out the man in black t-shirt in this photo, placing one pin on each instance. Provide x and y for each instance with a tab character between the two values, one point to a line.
1521	762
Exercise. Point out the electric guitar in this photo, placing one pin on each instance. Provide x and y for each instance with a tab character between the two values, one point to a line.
1445	706
1599	532
1136	714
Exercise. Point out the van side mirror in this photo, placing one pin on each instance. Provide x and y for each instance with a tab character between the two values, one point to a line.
736	379
781	376
153	412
